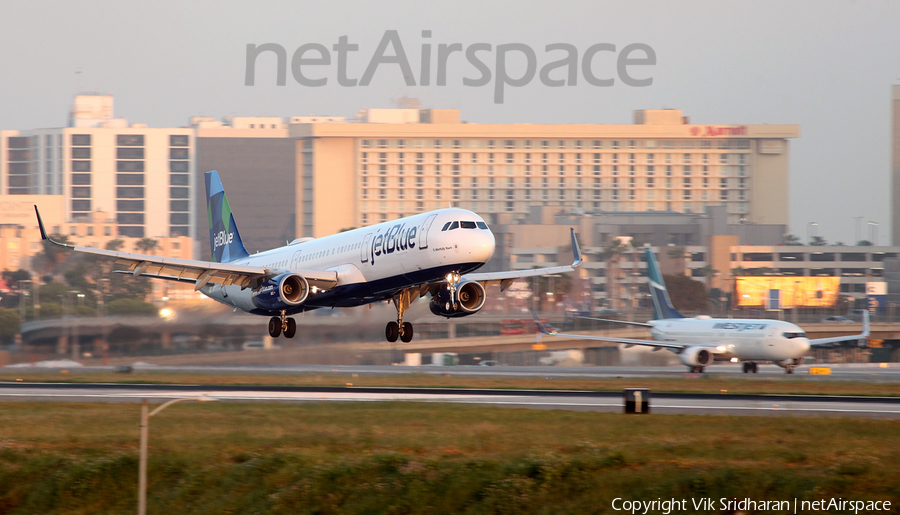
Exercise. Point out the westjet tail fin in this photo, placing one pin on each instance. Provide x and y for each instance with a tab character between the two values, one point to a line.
224	239
662	305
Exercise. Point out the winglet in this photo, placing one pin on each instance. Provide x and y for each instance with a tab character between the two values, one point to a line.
44	235
40	224
576	250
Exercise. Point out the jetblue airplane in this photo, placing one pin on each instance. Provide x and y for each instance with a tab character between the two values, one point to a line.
431	253
701	340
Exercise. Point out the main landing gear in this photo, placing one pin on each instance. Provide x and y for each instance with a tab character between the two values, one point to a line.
750	367
400	329
277	325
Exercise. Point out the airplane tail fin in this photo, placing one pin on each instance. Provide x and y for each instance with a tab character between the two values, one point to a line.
662	305
224	239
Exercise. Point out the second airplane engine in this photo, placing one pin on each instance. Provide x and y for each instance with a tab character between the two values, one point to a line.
282	292
696	356
470	299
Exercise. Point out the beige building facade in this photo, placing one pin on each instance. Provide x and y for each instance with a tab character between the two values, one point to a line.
356	174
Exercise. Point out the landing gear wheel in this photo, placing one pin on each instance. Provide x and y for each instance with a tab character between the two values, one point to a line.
274	327
789	369
755	367
696	370
406	332
291	328
748	367
392	331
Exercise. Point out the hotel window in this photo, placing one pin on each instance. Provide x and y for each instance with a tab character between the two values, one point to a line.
561	144
650	169
401	143
437	143
578	143
509	157
365	143
420	157
597	170
631	158
382	157
687	144
650	182
510	143
457	143
687	170
687	195
545	144
527	143
723	159
705	144
491	143
561	158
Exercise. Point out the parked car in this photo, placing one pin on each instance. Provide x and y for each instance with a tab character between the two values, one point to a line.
837	320
488	363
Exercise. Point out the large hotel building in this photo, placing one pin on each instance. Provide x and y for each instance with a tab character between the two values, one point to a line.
397	162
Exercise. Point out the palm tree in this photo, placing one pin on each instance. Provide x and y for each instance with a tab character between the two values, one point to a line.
708	272
612	254
115	244
146	245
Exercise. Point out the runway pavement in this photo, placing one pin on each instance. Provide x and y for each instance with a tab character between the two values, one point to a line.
755	405
841	371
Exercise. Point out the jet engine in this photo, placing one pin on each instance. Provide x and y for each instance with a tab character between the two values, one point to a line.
696	356
282	292
470	298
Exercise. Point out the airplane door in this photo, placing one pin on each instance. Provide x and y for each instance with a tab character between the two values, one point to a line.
423	232
295	260
364	250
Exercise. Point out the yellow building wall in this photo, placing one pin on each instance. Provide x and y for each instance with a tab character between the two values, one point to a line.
334	175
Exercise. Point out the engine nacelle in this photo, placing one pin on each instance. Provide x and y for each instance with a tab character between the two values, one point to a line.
696	356
470	299
282	292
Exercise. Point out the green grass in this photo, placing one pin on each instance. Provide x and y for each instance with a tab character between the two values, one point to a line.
215	458
711	383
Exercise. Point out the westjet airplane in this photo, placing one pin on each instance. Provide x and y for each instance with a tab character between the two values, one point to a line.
431	253
701	340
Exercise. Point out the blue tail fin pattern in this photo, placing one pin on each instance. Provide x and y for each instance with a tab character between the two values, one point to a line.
662	305
224	239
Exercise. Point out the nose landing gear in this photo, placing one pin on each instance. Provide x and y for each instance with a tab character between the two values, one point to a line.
280	324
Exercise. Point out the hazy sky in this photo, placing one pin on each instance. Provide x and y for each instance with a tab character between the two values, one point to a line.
827	66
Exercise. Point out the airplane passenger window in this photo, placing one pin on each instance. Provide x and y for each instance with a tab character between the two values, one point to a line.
454	225
467	225
481	225
446	226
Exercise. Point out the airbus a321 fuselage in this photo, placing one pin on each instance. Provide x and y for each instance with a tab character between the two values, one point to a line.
432	253
701	340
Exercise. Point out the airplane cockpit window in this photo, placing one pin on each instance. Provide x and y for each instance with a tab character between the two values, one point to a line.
467	225
481	225
446	226
790	336
453	225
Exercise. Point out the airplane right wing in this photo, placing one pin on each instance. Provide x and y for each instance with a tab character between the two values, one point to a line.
198	272
504	279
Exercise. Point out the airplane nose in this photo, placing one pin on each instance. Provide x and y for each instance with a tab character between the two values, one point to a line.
483	246
802	345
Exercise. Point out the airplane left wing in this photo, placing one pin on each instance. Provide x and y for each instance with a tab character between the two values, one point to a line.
862	337
198	272
504	279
